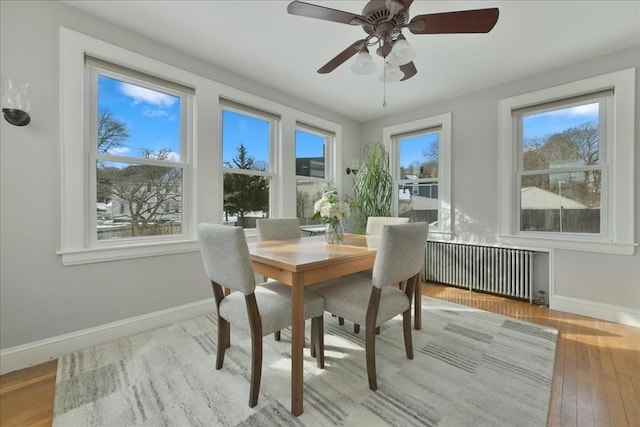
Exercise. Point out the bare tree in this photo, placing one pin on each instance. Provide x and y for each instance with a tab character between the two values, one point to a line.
150	193
111	132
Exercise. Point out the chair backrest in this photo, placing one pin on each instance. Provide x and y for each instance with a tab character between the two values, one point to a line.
400	253
278	228
226	258
375	223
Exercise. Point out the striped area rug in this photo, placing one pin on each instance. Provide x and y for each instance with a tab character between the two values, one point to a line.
471	368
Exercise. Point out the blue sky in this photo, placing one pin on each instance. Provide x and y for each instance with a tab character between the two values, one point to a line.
152	118
153	121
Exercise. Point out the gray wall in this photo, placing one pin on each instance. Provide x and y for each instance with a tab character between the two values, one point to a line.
591	277
39	297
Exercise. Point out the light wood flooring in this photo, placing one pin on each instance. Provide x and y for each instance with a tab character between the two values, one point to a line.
596	378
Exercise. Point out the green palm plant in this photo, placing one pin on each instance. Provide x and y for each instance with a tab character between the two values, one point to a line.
372	186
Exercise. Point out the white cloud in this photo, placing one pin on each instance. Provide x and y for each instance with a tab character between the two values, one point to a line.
141	94
119	151
152	112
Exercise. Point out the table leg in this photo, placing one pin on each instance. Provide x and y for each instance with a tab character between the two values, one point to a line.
297	346
417	301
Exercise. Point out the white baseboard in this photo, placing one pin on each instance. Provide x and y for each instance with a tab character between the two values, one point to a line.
614	313
37	352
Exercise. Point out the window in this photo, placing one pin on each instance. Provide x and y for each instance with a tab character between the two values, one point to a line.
127	180
419	156
137	137
561	166
313	147
247	139
569	149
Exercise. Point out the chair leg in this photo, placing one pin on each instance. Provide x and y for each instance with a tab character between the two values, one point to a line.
356	328
370	350
406	326
276	335
312	341
223	340
317	340
340	321
256	369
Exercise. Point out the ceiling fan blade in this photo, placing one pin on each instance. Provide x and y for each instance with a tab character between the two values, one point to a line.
320	12
466	21
409	71
340	58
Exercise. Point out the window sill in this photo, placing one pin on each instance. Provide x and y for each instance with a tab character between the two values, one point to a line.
115	253
615	248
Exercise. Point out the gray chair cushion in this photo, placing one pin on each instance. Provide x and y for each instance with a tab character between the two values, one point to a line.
349	298
274	305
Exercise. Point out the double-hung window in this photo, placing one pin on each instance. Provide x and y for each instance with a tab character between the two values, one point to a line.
137	132
127	147
248	140
420	166
313	171
567	166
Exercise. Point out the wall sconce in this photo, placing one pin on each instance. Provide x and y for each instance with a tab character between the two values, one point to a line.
355	165
14	101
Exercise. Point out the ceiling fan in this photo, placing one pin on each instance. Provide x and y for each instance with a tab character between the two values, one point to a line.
383	21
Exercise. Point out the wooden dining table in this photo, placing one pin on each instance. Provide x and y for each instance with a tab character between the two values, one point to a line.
305	261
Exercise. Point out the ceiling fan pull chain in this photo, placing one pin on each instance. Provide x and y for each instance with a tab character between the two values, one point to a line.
384	85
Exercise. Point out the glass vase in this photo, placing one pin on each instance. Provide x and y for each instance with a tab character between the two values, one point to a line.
334	233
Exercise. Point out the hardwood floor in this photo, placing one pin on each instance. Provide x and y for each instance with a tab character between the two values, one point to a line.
596	378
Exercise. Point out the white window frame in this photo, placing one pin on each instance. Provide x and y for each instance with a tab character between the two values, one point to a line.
617	193
76	245
204	152
91	126
444	228
328	154
274	138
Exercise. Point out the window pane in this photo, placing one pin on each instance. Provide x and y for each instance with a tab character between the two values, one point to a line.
245	141
135	200
566	137
561	202
135	121
419	201
310	154
419	156
307	194
246	198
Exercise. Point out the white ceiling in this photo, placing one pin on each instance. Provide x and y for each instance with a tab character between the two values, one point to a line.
261	41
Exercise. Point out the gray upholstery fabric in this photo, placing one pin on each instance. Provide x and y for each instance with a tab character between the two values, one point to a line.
278	228
274	305
400	254
375	223
399	257
225	256
349	298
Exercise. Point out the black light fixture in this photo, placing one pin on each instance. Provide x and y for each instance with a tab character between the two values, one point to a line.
352	171
14	101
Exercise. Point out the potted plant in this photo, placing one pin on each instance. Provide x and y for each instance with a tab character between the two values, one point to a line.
372	186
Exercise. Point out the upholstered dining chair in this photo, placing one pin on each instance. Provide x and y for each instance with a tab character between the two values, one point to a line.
277	229
374	228
372	302
256	310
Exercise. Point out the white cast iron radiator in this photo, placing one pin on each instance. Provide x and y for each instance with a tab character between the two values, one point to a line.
501	271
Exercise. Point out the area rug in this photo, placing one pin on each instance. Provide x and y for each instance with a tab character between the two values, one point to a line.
471	368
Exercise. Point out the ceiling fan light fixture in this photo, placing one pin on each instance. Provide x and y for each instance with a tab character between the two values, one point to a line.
392	73
364	63
401	53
